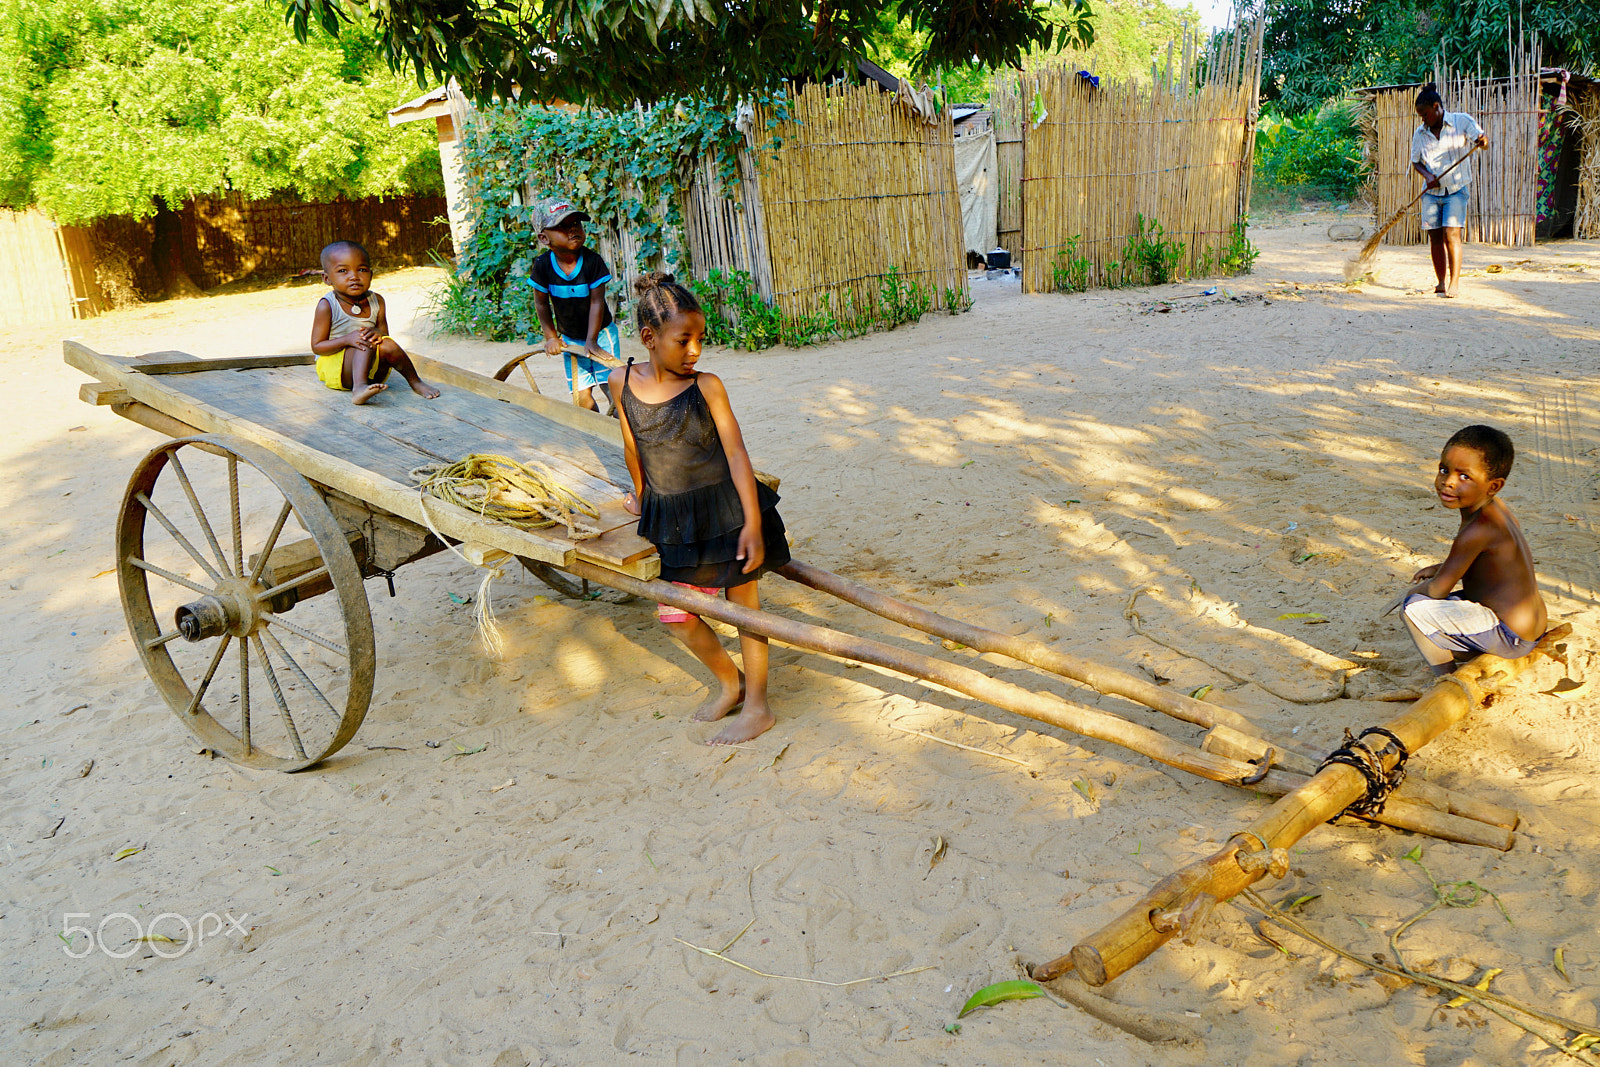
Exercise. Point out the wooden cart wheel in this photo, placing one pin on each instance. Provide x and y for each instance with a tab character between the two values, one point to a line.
521	361
574	588
246	681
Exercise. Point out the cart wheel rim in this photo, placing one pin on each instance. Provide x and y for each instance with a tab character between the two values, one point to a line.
283	719
568	586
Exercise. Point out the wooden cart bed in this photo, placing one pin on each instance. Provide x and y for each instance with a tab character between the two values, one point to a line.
368	452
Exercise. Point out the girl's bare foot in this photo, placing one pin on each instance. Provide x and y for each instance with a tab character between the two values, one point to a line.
719	703
367	392
1440	290
424	390
753	721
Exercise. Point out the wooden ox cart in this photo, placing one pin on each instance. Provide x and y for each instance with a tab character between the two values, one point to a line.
331	482
208	562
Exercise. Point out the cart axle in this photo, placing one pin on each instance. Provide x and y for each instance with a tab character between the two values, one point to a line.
204	618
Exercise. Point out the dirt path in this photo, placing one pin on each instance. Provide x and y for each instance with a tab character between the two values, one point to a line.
1261	454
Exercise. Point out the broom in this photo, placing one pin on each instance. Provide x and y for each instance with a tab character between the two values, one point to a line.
1362	263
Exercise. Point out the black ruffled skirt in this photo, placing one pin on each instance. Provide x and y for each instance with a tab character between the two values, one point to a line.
697	534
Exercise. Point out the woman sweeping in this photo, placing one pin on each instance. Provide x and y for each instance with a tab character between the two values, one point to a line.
1444	139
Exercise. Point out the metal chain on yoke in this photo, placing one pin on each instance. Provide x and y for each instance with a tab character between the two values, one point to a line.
1357	753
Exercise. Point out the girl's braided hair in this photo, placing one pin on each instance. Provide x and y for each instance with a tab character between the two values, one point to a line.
660	298
1429	95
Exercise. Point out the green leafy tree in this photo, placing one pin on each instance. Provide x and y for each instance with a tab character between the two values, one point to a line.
132	107
616	52
1317	49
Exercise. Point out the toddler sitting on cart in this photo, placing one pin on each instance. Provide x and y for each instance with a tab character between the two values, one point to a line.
350	331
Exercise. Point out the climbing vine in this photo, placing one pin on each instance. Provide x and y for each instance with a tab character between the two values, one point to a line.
627	169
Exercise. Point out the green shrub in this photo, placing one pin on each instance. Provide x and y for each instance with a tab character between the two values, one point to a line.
1320	150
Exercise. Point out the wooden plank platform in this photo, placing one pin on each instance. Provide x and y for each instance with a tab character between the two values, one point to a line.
370	451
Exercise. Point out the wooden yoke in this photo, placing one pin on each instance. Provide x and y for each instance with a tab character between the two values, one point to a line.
1180	902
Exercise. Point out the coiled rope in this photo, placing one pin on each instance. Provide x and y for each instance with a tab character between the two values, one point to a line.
500	488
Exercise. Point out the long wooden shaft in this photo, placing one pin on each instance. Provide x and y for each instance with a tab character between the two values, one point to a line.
1096	676
1045	707
1145	927
1224	723
1225	741
1407	813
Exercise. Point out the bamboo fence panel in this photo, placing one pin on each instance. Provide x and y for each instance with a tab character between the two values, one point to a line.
235	238
1587	221
38	280
1503	207
1392	183
1178	151
859	185
725	232
1005	101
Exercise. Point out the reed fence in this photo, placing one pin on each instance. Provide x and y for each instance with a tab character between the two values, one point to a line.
859	185
1005	101
47	272
723	228
234	238
1503	207
1586	223
1178	151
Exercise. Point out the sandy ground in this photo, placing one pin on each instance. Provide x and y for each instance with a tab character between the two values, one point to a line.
1028	466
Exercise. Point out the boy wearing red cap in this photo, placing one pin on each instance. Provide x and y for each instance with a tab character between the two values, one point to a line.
569	283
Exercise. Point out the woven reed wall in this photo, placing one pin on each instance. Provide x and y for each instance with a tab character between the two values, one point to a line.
1504	204
725	232
1178	151
1391	182
859	185
47	273
235	238
1005	101
1587	104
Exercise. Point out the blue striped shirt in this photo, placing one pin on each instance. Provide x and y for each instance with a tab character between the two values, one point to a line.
570	293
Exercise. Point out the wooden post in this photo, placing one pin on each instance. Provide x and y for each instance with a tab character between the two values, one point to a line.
1179	902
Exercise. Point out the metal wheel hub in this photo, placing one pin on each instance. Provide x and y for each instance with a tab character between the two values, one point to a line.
232	608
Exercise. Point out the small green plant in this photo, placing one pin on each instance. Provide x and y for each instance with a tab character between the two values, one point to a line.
1150	254
1240	255
956	300
1070	272
900	301
736	315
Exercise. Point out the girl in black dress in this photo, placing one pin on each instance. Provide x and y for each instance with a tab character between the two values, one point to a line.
697	497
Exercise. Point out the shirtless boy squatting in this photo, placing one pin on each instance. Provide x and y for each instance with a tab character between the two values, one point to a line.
350	331
1498	609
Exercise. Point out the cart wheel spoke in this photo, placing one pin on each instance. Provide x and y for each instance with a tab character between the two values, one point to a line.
297	580
529	375
294	665
244	695
277	696
233	501
175	579
211	672
199	513
272	542
177	535
301	632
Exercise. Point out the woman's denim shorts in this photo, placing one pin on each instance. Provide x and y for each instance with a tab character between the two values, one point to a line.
1443	211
